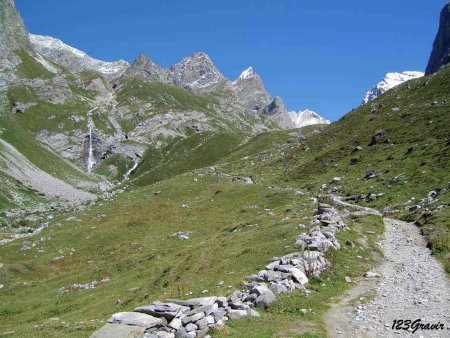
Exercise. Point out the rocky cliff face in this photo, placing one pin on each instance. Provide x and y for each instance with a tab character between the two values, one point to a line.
440	55
390	81
72	108
147	70
277	112
13	35
197	72
250	90
73	59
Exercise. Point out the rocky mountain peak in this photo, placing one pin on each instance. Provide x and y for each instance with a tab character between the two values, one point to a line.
144	68
248	74
201	55
440	54
142	59
197	72
250	90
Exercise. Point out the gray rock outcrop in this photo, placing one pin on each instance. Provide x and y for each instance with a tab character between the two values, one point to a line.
13	35
277	112
147	70
250	90
197	72
440	54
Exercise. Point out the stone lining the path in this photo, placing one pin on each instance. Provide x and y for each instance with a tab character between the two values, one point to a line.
195	317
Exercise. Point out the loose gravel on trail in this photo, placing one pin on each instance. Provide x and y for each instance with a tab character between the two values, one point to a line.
412	285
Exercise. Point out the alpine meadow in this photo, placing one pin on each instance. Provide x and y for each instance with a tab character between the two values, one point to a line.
138	200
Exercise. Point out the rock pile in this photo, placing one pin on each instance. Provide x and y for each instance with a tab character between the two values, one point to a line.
424	202
182	235
87	286
194	317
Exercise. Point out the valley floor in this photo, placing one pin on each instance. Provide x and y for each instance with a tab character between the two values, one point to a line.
411	285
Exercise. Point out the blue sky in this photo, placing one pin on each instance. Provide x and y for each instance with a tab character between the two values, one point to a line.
321	55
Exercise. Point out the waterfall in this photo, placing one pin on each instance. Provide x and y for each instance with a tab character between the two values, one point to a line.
130	171
90	159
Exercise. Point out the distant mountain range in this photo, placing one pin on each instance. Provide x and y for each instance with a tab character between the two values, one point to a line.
97	120
196	73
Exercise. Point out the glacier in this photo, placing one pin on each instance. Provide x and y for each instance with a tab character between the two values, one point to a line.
390	81
306	117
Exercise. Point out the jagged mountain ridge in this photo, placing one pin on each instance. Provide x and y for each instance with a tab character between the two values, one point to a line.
74	59
144	68
196	72
13	36
390	81
113	114
13	33
64	118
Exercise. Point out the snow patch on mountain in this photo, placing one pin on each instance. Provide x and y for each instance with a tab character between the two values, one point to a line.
247	74
390	81
74	59
306	117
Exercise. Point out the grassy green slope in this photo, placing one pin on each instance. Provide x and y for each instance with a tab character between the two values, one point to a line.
415	119
143	100
163	97
130	242
44	115
271	140
411	160
181	155
40	156
30	68
234	232
204	149
18	129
